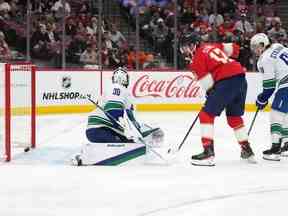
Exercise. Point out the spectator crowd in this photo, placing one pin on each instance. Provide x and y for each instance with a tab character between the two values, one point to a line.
230	21
235	21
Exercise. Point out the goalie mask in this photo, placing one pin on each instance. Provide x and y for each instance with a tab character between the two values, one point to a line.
258	43
121	77
188	44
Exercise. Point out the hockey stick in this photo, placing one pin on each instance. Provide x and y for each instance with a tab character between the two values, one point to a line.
186	135
140	136
252	123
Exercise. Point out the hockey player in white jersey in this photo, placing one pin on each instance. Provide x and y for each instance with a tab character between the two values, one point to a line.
100	127
113	122
273	63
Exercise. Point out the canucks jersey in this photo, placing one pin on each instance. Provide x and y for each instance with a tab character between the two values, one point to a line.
115	101
273	63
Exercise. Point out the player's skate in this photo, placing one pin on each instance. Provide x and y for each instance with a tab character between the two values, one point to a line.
247	153
76	160
206	158
273	153
284	150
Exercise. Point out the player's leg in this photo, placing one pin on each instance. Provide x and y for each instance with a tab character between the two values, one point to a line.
234	112
214	105
206	158
284	141
278	124
284	148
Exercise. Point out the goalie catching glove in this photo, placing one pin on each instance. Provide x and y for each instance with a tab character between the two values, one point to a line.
133	130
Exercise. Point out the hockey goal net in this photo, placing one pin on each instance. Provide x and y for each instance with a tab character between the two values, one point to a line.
17	100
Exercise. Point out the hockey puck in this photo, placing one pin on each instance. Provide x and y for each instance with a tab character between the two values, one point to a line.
27	149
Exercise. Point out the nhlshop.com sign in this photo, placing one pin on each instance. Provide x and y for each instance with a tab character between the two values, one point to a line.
66	87
64	96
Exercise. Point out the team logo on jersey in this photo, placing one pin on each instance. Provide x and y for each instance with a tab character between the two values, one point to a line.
66	82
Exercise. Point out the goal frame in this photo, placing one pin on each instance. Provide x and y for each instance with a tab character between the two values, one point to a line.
8	109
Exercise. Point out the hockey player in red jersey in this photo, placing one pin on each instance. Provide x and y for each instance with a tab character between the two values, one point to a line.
225	84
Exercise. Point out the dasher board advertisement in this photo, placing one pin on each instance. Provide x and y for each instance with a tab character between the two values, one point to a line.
158	87
65	91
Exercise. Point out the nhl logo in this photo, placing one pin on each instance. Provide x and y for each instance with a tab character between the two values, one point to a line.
66	82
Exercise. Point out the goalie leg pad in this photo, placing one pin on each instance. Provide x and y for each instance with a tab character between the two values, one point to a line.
109	154
105	135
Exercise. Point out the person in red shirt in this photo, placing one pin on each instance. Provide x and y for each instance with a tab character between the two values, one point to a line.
225	84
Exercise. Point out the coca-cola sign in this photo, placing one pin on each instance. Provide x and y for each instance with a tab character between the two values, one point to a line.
180	86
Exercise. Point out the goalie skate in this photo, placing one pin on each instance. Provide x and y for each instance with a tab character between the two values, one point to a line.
76	160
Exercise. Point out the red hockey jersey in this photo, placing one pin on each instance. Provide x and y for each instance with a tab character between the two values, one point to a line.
211	63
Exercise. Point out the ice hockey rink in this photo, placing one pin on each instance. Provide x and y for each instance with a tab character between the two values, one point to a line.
42	183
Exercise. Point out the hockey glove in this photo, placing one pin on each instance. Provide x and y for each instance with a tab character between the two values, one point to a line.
260	102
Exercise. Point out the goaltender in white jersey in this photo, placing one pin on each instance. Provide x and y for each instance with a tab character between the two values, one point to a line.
112	130
100	127
273	63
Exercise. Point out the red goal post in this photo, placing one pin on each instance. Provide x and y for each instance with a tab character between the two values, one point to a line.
18	108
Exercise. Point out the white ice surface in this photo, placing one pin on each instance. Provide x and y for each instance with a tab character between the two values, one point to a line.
42	183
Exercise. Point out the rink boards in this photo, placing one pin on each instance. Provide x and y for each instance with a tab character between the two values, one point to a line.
65	91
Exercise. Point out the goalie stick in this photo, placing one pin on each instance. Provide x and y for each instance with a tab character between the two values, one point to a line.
185	137
140	135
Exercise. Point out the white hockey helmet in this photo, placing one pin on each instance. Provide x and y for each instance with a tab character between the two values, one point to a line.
259	43
121	77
